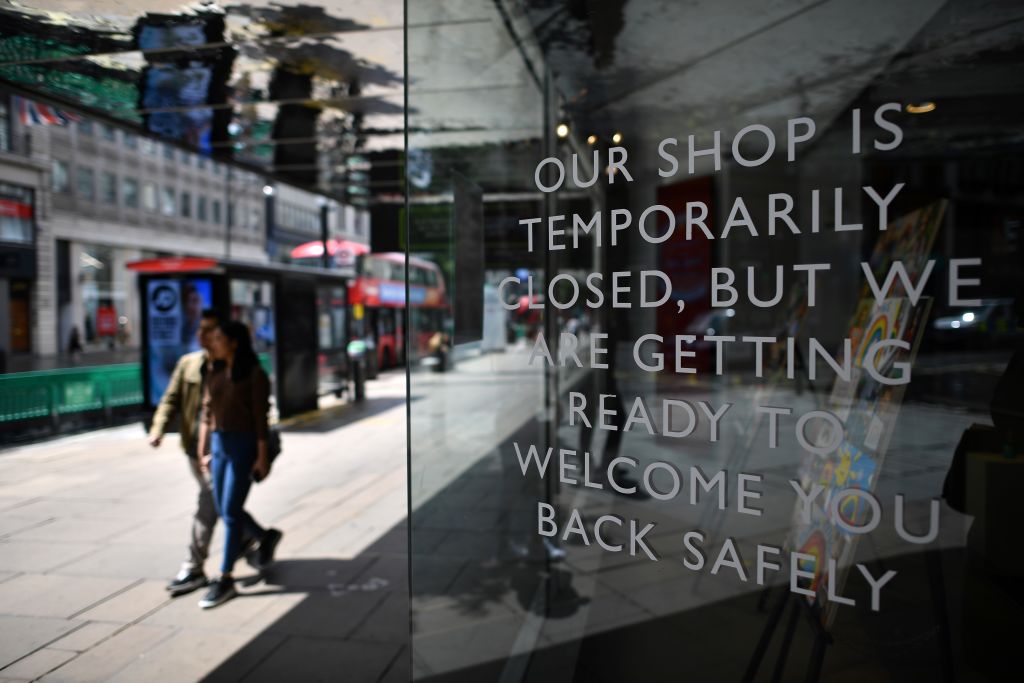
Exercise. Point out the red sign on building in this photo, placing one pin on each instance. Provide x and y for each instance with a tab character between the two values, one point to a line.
106	321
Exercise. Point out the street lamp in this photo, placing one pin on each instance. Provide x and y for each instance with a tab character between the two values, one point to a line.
324	216
269	220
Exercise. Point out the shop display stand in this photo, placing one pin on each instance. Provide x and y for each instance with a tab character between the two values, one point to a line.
798	606
712	518
823	637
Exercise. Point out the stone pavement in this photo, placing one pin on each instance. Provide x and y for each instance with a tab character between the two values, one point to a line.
93	526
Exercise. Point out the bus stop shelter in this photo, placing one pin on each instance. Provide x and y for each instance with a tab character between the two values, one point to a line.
298	317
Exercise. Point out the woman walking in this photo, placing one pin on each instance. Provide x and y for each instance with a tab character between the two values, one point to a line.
233	435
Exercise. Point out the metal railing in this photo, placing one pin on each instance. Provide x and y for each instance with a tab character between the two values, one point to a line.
53	393
64	391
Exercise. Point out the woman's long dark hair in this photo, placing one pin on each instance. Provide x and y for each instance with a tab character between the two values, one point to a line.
245	356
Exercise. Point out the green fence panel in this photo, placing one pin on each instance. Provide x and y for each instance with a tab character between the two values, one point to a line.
32	395
29	395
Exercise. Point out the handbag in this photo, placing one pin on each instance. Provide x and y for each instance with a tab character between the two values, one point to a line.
273	442
273	449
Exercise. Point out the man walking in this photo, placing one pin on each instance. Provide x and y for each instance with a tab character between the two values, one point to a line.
184	396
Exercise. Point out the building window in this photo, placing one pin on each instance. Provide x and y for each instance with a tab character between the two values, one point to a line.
108	187
216	211
130	192
16	214
168	152
5	125
59	178
108	132
201	208
186	205
186	158
130	141
103	310
149	197
85	127
167	202
85	185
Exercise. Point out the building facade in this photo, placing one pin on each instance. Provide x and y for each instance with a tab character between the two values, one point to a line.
83	198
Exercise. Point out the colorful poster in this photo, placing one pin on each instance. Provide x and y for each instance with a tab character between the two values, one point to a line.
867	408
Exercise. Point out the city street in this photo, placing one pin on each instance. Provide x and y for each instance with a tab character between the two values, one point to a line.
93	526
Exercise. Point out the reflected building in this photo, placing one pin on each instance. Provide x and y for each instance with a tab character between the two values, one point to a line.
156	136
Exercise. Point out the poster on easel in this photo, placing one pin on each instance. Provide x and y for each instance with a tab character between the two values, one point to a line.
867	408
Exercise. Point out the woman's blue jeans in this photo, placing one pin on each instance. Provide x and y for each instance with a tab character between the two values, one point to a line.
234	454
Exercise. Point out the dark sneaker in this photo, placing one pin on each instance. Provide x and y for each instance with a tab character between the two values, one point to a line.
250	551
220	592
186	582
265	553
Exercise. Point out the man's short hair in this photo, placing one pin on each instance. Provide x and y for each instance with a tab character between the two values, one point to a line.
211	314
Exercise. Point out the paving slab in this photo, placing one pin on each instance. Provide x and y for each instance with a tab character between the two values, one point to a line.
24	635
249	614
57	507
134	561
50	595
104	661
38	556
317	659
87	635
38	664
12	523
400	670
186	656
385	622
326	615
75	529
129	605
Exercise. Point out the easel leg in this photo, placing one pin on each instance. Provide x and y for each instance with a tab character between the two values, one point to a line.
766	635
938	586
817	657
787	642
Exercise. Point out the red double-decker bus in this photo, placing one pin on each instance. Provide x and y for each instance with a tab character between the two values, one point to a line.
376	298
380	290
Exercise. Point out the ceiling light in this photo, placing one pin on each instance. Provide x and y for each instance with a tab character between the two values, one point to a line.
920	108
592	140
562	130
617	138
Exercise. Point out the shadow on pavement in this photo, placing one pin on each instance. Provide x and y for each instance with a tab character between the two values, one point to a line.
351	625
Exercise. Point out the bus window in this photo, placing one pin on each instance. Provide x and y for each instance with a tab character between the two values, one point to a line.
325	341
331	313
